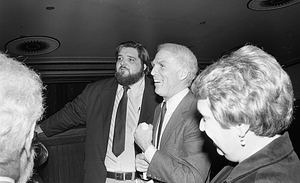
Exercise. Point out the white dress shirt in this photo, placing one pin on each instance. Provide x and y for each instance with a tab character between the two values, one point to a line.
125	162
171	105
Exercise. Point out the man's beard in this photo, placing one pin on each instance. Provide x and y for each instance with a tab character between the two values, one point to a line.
26	173
130	79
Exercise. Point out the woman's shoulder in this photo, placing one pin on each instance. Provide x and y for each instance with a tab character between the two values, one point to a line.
284	170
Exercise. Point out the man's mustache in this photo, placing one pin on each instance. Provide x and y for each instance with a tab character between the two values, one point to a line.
123	67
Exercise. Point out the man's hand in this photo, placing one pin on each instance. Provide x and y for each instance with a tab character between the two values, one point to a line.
140	163
143	135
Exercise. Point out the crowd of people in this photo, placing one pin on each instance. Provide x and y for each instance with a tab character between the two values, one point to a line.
153	121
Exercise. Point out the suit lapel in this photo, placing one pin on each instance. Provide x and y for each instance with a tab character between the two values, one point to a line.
149	102
108	97
177	117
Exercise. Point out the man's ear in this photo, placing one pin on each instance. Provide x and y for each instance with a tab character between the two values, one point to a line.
182	74
28	139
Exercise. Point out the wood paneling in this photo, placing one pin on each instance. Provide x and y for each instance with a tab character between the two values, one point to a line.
58	94
66	157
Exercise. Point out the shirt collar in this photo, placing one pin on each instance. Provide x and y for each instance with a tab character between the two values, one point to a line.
174	101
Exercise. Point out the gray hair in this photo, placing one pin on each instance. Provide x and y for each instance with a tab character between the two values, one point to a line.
248	86
21	106
185	58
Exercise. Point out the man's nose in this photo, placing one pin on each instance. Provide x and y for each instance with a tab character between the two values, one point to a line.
122	62
153	71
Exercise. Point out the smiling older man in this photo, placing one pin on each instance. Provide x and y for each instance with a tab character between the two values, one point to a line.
177	154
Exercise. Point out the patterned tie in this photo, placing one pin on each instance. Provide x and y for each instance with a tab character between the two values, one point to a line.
120	125
162	115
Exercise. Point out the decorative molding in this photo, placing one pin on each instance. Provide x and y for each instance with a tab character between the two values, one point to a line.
71	69
53	69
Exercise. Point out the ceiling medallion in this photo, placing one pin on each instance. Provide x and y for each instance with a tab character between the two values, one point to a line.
32	45
265	5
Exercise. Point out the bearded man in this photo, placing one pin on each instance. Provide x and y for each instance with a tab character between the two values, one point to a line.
96	108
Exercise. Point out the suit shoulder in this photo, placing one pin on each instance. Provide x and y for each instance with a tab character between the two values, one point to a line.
102	83
286	170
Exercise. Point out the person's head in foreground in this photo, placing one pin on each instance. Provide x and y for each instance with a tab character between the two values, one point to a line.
246	100
21	106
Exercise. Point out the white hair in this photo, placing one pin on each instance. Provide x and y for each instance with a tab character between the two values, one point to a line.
21	106
185	59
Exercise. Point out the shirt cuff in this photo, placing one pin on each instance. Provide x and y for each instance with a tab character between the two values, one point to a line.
149	153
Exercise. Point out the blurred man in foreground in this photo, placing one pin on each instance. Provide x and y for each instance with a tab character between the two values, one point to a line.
21	105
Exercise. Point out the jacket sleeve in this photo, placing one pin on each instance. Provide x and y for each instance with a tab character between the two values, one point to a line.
71	115
184	160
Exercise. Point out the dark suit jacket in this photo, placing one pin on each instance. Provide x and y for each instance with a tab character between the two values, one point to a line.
181	158
276	163
93	108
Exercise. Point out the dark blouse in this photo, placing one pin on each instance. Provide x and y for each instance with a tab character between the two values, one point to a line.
277	162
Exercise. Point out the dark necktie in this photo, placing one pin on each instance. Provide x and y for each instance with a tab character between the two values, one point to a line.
120	125
162	116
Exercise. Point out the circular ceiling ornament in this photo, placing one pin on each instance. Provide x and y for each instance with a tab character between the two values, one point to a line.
265	5
32	45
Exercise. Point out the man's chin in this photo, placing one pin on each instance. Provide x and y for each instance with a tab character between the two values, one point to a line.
158	89
128	79
124	73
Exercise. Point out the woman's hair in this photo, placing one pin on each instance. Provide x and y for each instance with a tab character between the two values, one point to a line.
142	53
248	86
21	106
184	58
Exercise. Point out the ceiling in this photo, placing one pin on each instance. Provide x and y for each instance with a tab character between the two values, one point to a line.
86	32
